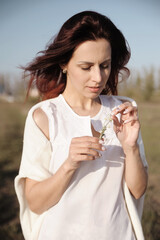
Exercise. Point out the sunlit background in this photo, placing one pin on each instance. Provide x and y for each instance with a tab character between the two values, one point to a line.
26	26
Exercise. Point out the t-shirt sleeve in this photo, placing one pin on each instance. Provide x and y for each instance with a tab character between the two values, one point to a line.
36	152
141	150
35	163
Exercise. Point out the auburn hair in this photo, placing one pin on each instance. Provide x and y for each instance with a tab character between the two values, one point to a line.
45	69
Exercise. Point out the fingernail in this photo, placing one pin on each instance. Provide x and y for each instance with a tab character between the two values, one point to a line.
103	148
113	108
99	155
118	108
125	111
126	121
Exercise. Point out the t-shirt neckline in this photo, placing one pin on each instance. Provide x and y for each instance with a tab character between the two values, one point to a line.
79	116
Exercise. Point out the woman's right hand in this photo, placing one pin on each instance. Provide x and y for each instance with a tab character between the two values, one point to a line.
83	149
45	194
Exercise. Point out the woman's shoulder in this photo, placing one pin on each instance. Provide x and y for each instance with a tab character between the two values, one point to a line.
42	104
115	100
126	99
41	120
38	117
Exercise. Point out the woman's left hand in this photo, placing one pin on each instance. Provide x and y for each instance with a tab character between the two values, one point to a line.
127	129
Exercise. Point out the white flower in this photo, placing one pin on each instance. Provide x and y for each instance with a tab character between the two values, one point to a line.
106	125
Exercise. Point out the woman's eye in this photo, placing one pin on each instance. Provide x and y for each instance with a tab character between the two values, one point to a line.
105	66
86	68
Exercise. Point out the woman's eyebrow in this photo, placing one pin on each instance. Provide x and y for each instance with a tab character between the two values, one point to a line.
107	60
86	62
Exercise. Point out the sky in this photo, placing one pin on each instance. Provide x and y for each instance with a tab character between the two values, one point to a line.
26	26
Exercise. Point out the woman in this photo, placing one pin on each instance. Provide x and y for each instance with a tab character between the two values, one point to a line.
79	177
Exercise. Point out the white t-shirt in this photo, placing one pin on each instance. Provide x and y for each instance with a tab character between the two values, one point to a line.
93	206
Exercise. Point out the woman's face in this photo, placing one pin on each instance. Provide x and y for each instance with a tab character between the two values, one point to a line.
89	68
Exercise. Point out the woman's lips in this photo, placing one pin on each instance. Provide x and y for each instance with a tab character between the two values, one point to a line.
94	89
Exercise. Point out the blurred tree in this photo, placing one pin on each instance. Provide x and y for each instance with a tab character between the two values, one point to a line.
2	85
148	88
159	79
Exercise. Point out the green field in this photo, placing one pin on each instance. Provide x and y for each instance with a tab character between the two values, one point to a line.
11	136
150	121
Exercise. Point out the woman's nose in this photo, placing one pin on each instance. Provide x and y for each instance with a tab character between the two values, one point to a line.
97	75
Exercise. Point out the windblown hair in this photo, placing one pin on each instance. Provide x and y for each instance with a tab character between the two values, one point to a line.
45	69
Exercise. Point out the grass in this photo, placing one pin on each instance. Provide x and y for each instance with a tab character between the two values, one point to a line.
12	124
150	119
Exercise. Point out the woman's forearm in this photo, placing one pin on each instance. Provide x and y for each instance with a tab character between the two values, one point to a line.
43	195
136	175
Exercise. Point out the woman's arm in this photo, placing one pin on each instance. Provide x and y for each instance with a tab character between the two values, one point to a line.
135	173
127	131
45	194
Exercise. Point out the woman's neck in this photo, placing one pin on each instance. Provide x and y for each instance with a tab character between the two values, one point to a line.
81	105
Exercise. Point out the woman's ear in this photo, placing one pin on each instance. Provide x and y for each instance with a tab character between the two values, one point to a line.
64	68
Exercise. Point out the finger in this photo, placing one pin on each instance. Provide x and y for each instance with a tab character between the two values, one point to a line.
117	131
89	145
116	121
130	109
84	157
124	108
120	108
85	139
98	144
131	119
125	104
88	151
130	115
115	111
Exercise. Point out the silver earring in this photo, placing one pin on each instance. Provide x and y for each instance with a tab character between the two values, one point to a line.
64	71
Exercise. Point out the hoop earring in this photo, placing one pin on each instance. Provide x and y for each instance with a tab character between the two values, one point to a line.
59	78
